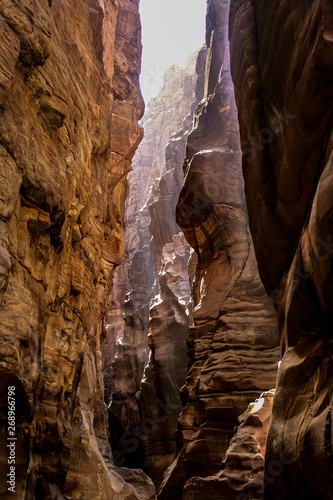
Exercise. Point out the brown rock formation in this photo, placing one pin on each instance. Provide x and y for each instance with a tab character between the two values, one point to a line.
282	61
69	107
233	343
242	475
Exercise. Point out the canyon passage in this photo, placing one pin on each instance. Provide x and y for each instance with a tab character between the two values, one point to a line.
166	285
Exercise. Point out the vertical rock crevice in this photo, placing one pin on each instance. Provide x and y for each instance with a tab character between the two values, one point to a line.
147	369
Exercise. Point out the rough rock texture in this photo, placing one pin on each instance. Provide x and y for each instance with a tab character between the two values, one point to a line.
282	64
147	420
242	474
233	343
69	109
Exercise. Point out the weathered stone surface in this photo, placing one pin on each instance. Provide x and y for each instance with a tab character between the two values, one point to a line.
233	343
164	116
282	64
242	474
69	110
170	308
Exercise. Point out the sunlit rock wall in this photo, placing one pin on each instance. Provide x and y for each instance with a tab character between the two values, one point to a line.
233	343
282	65
69	110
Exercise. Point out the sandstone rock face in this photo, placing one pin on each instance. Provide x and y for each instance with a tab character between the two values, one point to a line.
282	64
69	110
233	343
242	475
145	404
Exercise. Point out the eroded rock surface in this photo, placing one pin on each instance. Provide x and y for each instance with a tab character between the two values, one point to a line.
242	474
282	64
233	343
69	110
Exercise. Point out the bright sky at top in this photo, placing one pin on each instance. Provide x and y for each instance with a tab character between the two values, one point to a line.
171	31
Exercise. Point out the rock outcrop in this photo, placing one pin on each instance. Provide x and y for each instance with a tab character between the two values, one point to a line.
171	307
242	474
233	343
282	65
156	266
69	110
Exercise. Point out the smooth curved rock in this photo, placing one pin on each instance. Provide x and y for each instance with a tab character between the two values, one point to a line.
282	65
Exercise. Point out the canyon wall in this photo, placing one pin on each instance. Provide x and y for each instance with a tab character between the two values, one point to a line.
282	65
233	342
145	371
69	110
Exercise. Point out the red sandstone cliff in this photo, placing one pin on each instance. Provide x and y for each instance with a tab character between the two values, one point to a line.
69	110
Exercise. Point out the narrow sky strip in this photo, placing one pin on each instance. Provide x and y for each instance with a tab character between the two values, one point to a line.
171	31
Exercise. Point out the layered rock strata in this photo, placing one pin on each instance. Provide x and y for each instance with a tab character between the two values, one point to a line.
233	343
159	250
242	474
69	110
282	64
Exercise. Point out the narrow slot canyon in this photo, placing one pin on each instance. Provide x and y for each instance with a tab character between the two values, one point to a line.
166	249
